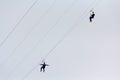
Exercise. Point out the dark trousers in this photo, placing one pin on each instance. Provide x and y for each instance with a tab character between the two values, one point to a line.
90	19
42	69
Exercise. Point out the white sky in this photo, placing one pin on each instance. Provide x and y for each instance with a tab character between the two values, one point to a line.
90	52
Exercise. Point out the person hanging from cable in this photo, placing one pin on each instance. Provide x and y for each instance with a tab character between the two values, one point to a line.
92	15
43	67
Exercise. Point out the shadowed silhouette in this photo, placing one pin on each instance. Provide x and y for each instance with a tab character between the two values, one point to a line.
42	69
92	15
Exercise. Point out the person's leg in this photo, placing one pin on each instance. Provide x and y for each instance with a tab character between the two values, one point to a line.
90	19
41	69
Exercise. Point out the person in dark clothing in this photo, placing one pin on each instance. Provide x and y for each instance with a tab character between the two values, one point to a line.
43	67
92	16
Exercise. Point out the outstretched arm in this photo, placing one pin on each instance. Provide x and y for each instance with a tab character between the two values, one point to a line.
47	65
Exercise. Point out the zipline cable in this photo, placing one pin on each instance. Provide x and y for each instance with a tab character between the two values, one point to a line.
34	27
16	25
65	12
69	31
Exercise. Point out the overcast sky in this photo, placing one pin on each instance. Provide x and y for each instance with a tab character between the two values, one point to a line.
91	51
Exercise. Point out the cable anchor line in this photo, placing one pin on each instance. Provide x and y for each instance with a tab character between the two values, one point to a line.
16	25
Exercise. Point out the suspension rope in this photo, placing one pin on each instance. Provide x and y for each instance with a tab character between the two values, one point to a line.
65	12
34	27
68	32
16	25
